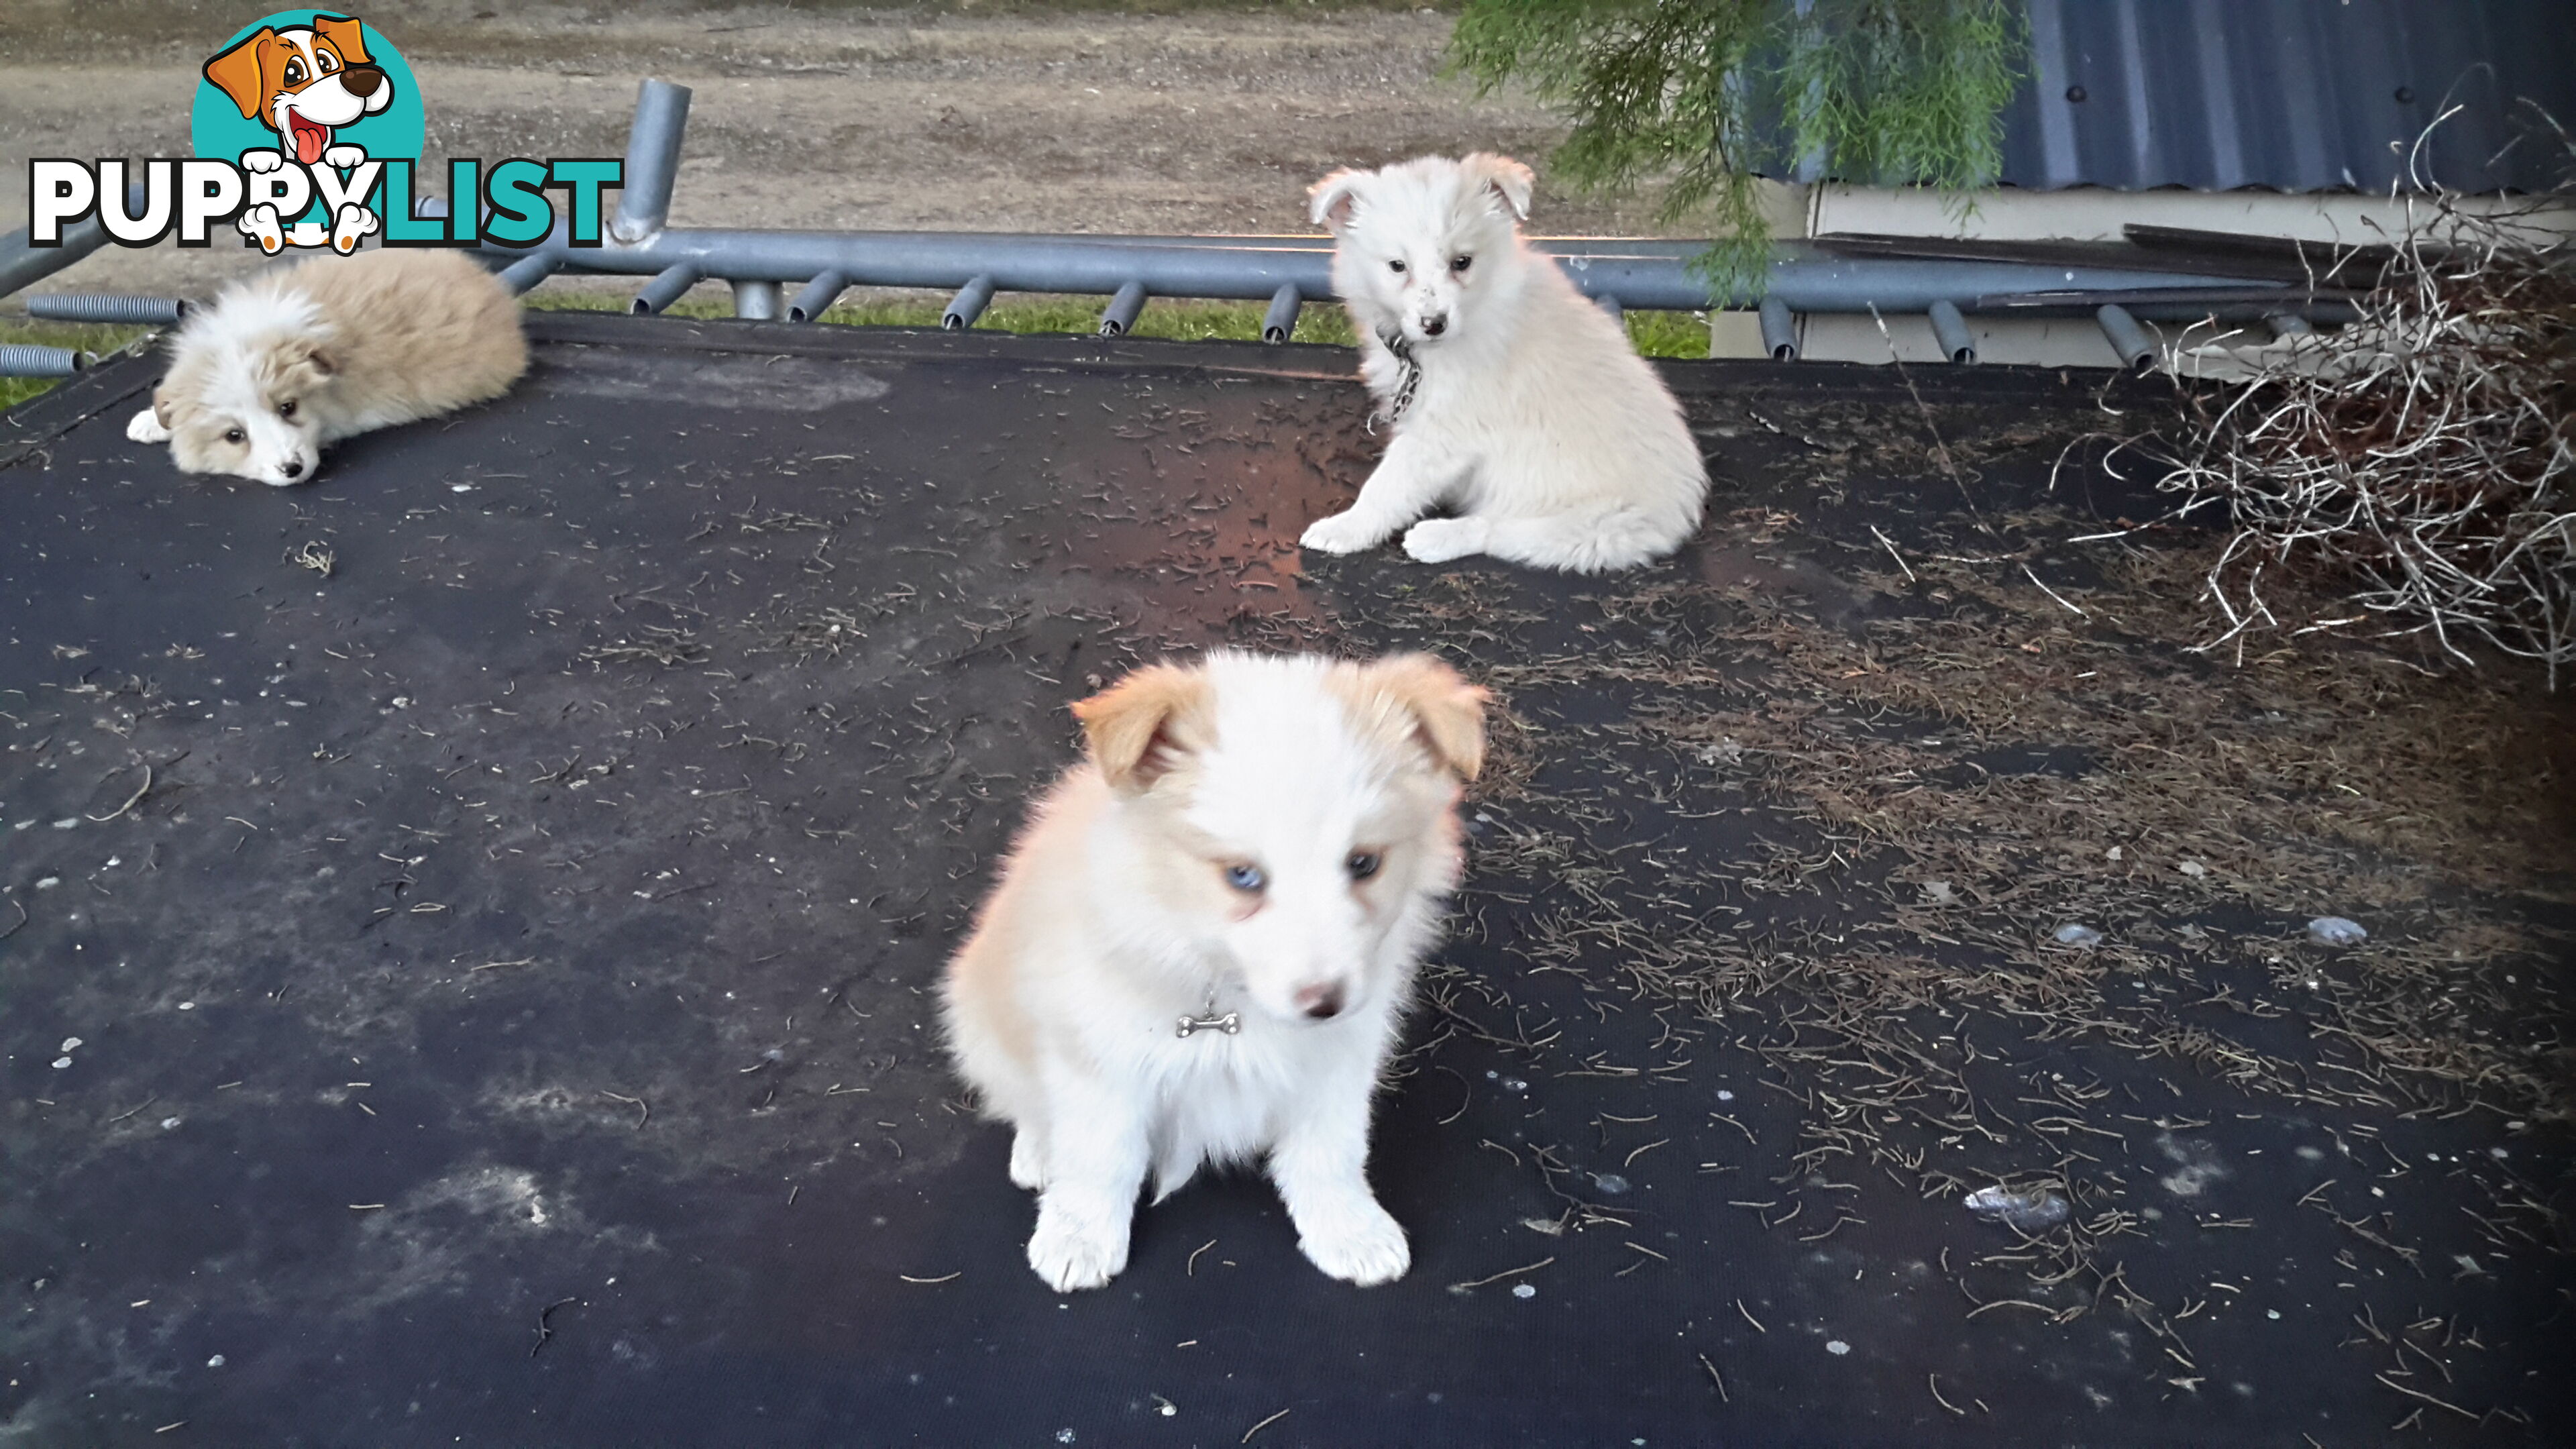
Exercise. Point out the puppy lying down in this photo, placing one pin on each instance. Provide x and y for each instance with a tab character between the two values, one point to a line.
286	362
1201	946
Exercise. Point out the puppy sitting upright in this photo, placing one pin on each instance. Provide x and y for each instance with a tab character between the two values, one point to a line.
1516	403
1200	948
288	361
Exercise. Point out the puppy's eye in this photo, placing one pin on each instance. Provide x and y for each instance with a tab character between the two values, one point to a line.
324	63
295	72
1245	878
1460	264
232	435
1362	864
286	409
1396	267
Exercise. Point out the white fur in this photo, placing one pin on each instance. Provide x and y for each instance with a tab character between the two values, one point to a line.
1534	422
286	362
1111	922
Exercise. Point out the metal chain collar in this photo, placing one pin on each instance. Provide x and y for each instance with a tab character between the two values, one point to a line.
1395	409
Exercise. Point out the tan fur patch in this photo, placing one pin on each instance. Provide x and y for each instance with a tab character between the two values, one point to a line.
1139	728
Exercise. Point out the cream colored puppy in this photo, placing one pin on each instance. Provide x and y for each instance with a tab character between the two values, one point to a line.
1202	945
289	361
1517	404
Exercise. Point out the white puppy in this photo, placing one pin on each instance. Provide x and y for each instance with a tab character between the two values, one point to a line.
1201	946
288	361
1516	403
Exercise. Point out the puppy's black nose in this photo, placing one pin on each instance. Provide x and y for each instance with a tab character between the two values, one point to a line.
292	467
362	80
1320	1002
1434	326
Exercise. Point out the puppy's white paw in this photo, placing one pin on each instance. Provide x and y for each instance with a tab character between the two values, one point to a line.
343	156
1359	1244
1438	540
145	427
1028	1165
1344	532
257	160
1072	1255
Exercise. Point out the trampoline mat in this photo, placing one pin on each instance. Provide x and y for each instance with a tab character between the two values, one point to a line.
497	893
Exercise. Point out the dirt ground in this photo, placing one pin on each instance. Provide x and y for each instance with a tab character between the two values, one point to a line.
1211	119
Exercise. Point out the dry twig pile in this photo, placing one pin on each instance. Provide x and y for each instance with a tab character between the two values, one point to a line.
2416	465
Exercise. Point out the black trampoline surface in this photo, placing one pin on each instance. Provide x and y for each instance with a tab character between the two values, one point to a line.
496	891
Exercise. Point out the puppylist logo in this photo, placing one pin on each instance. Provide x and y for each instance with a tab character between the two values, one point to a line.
308	131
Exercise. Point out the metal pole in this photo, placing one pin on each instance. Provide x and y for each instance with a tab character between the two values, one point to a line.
666	287
968	304
1122	310
1779	330
755	301
1280	322
521	277
22	265
2137	350
652	160
818	296
1951	331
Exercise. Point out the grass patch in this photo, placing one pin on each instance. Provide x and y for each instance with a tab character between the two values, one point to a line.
1177	319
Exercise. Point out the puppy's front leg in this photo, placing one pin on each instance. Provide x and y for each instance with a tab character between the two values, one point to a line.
1413	475
1321	1167
1096	1150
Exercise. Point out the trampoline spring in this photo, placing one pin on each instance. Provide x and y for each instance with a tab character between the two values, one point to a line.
107	307
20	360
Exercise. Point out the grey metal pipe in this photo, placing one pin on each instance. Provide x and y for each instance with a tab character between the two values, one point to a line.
968	304
522	276
2137	350
1951	331
22	265
1280	322
106	307
817	297
755	301
20	360
1610	304
1122	310
1656	276
652	160
1779	330
666	287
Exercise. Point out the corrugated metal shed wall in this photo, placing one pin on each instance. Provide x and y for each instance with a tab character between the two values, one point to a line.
2297	95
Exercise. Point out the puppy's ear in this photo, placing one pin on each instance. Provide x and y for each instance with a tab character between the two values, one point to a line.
1508	179
347	36
1329	201
1448	712
1140	726
241	73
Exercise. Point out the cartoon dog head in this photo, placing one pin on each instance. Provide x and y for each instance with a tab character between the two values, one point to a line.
303	82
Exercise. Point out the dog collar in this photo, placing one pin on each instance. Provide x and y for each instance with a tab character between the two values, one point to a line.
1404	390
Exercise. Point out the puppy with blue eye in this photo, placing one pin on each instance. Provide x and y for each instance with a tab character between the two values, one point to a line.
1202	945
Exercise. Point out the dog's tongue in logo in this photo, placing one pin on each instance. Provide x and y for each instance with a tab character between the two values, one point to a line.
309	138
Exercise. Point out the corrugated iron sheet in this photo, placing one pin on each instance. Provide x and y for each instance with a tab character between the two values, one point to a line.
2294	95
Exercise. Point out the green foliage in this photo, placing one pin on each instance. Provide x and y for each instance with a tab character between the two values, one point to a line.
1699	97
99	339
